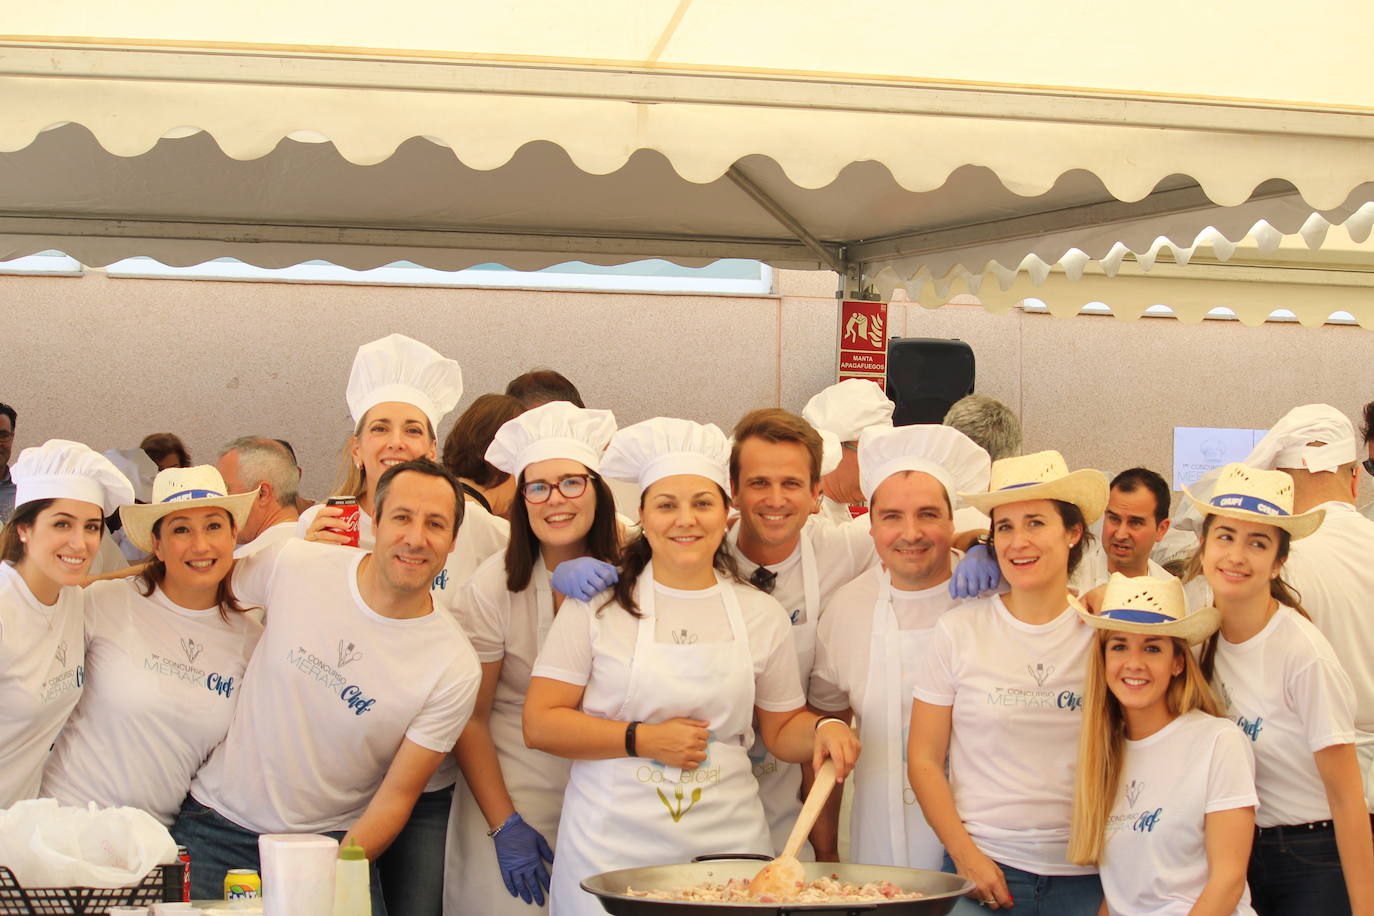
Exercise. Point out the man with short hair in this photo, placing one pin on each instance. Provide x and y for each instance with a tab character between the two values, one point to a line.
1331	569
783	549
8	418
540	386
988	422
357	690
1136	518
873	631
257	463
1367	431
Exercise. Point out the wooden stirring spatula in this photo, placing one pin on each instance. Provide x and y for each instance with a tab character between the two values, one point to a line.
784	876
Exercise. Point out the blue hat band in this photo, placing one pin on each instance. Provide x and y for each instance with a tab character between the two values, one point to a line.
193	494
1130	615
1017	486
1248	504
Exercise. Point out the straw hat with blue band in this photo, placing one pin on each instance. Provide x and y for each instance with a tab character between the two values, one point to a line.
1153	607
177	489
1042	475
1253	495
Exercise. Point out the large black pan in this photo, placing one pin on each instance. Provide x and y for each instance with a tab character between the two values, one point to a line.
941	890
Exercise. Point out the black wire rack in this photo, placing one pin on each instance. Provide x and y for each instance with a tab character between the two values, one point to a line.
162	884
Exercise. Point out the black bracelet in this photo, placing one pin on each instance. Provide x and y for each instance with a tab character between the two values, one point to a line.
630	739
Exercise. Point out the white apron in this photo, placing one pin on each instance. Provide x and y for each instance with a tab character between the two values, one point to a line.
888	827
535	781
780	782
632	811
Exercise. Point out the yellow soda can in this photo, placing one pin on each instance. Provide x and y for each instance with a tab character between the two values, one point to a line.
242	884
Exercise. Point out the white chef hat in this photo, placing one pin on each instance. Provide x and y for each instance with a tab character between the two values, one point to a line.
1285	446
832	450
138	466
943	452
397	368
557	429
849	407
60	469
664	446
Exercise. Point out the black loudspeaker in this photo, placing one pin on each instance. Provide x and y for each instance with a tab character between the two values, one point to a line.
925	376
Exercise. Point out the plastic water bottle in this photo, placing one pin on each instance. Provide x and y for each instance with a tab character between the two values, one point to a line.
352	891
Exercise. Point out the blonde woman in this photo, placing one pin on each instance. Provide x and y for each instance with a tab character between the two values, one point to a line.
1164	802
1282	684
999	698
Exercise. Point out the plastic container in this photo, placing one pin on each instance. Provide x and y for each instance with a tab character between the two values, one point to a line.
352	883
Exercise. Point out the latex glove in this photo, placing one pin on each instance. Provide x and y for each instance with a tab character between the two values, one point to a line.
584	577
520	853
976	573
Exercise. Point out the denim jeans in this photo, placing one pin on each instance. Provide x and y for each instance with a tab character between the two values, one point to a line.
217	844
412	868
1297	872
1038	895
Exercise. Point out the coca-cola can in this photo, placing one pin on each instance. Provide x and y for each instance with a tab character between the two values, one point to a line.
347	524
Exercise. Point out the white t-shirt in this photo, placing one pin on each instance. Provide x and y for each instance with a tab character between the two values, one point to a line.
844	637
1333	571
42	668
1092	570
267	538
1288	693
162	684
1154	861
1016	689
582	643
332	690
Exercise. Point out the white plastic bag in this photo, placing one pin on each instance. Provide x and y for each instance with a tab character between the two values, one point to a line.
47	845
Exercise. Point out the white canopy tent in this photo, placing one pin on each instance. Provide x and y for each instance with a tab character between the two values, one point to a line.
900	144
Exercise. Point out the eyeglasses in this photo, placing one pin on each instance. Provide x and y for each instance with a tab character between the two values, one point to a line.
571	487
1369	466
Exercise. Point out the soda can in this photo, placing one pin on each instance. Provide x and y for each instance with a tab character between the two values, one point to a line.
184	857
348	522
242	884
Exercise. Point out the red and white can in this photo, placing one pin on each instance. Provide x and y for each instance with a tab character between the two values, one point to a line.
184	857
347	524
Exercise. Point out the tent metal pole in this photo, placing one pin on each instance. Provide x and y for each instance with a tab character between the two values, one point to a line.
835	261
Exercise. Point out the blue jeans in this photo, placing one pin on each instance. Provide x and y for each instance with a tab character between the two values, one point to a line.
217	844
1297	871
1038	895
412	868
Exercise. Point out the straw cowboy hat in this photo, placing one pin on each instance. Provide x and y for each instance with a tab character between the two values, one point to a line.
1043	475
1154	607
1253	495
200	487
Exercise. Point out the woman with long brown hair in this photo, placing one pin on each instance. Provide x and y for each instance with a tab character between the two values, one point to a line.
1164	799
1281	682
165	654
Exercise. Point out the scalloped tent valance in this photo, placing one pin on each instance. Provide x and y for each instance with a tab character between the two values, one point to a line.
612	130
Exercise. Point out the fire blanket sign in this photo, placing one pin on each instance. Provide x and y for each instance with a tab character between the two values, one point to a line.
863	341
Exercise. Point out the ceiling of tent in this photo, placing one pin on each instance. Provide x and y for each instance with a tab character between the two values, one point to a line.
531	133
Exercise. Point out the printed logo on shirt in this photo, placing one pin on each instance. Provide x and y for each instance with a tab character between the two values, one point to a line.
684	637
329	678
1251	727
440	581
798	616
176	670
191	648
346	654
679	802
1133	790
1138	821
1223	693
1040	672
61	654
69	679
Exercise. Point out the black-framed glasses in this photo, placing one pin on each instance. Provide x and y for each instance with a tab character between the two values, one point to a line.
571	487
1369	466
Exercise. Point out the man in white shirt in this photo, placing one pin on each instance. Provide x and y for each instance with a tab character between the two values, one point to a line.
796	556
1136	519
1331	569
252	462
357	691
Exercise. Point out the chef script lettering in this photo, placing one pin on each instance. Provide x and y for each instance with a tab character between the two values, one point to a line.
329	678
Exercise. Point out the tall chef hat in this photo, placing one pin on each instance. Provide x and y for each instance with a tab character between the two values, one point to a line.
943	452
60	469
397	368
848	408
664	446
832	450
1285	446
557	429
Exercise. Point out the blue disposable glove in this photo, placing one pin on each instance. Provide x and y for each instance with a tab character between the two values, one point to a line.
584	577
520	852
976	573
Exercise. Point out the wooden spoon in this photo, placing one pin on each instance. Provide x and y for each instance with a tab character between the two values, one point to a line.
784	876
